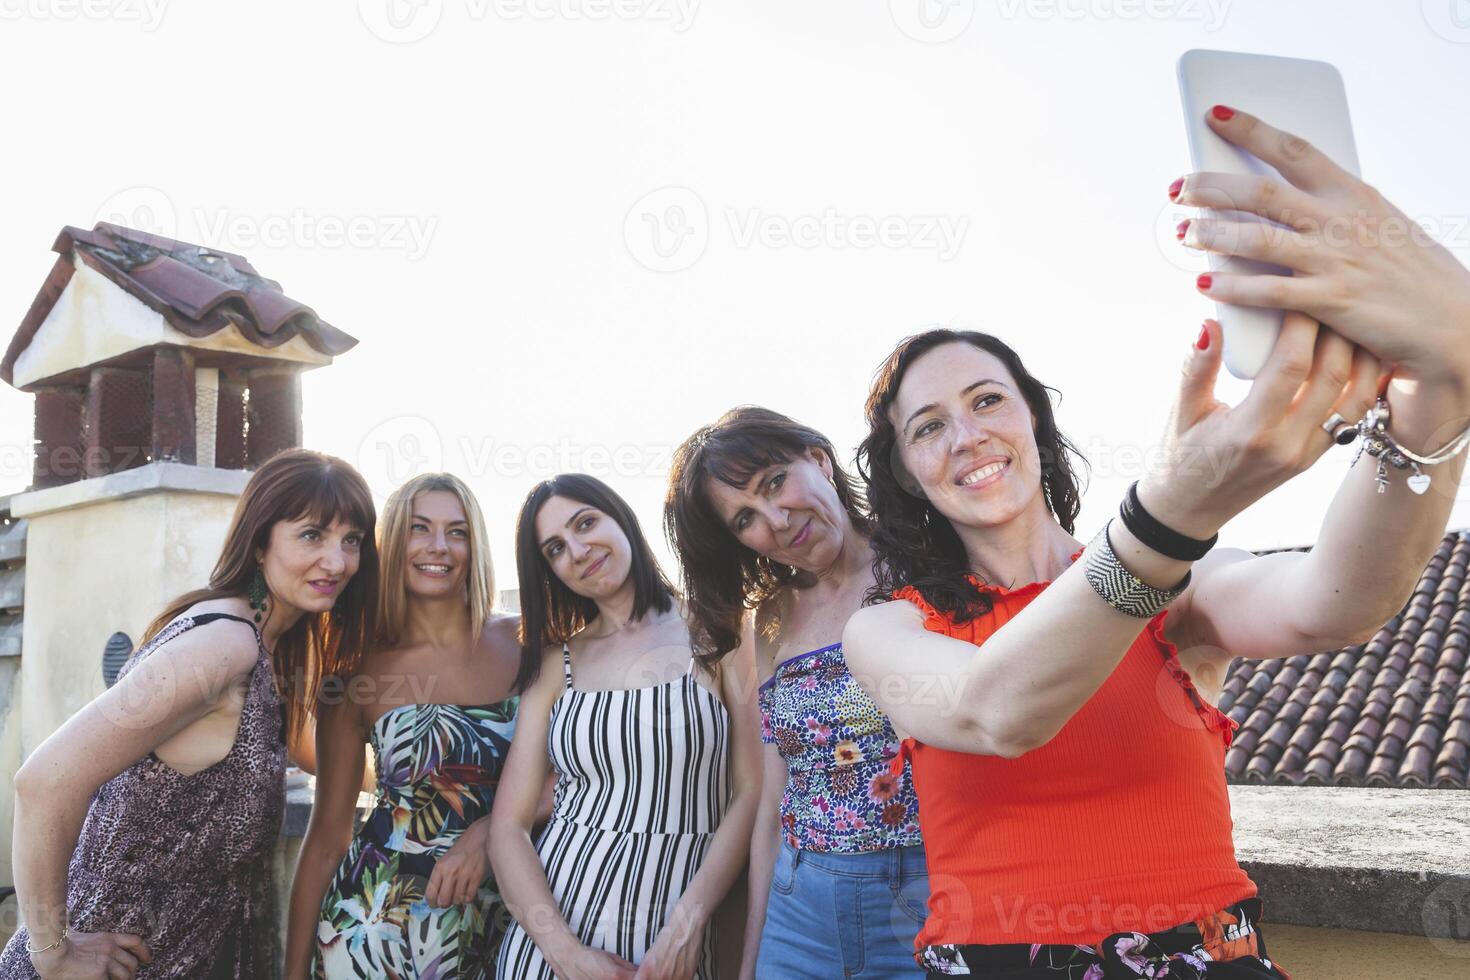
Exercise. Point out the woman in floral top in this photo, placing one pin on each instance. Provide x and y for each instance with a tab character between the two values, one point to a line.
766	522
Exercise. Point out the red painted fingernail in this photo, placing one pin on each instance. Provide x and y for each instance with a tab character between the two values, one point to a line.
1181	229
1223	113
1175	188
1204	339
1203	282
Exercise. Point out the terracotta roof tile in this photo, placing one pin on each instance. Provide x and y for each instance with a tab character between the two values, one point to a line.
1394	711
198	290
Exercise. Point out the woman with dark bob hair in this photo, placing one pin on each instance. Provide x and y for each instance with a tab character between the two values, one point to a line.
773	537
655	756
144	826
1058	702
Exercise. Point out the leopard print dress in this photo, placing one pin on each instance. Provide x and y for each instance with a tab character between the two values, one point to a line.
184	860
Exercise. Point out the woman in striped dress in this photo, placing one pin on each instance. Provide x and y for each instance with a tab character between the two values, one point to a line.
655	758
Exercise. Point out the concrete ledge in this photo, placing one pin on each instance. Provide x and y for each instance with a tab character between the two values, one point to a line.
1376	860
1368	860
135	482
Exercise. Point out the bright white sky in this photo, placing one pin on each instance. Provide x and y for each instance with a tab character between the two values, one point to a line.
516	315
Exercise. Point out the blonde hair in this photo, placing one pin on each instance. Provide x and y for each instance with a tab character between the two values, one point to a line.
393	545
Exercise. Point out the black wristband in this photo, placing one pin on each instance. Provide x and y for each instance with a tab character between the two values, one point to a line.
1167	542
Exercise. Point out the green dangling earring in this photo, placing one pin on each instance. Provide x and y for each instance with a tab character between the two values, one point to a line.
258	593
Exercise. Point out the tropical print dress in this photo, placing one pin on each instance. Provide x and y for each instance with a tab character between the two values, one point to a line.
438	766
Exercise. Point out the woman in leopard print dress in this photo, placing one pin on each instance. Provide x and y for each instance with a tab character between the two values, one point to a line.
164	873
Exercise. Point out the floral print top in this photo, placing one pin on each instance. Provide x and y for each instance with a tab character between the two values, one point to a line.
840	796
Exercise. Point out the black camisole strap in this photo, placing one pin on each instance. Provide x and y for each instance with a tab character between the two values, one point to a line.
210	617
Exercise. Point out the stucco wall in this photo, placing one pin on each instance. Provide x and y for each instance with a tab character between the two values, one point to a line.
94	569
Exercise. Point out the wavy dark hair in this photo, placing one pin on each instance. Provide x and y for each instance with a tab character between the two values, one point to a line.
915	544
551	613
292	485
723	578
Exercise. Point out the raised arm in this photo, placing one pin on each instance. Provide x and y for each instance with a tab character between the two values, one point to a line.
339	750
177	684
1016	692
1362	267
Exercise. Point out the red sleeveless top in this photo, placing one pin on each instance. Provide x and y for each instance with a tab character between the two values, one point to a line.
1121	823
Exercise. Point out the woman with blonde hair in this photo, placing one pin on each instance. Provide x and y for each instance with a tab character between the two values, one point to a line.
410	895
166	793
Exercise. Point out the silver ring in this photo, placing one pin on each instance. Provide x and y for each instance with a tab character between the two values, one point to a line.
1340	429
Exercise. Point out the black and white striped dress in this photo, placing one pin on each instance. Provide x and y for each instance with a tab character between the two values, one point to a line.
642	780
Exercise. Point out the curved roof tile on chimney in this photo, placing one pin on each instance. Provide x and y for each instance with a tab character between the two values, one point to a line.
198	290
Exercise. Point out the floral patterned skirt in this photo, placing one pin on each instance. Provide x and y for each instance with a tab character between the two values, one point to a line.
1227	945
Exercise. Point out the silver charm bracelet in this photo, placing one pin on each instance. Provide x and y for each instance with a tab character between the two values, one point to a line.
1376	442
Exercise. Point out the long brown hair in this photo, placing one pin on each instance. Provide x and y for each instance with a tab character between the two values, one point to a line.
551	613
722	578
291	485
393	544
916	544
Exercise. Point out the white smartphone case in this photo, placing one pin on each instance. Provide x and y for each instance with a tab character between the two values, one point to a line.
1305	98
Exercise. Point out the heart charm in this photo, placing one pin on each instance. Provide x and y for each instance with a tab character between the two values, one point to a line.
1419	482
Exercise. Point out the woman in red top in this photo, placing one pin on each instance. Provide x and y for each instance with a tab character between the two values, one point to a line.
1070	771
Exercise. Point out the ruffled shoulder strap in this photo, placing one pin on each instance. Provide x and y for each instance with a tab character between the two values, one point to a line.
1211	716
934	620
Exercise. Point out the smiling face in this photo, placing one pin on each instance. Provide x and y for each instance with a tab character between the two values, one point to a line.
966	436
308	564
438	547
787	512
585	547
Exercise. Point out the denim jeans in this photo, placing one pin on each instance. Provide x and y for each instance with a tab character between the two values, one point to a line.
832	916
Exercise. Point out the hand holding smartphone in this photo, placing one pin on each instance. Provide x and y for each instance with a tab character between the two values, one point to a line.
1306	98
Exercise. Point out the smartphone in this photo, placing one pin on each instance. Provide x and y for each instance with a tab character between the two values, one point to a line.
1305	98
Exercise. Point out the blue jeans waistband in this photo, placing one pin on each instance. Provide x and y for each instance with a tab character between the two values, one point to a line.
894	863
